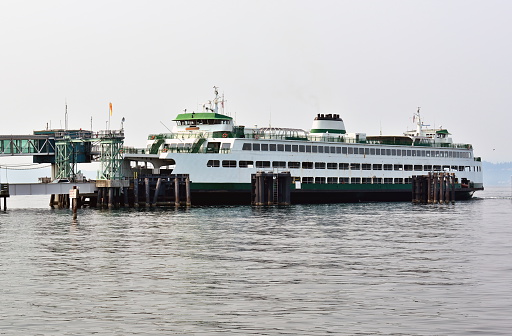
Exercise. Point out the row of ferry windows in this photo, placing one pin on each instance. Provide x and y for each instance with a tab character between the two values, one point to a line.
355	180
335	165
353	150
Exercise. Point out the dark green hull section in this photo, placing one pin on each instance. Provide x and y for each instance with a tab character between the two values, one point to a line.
240	193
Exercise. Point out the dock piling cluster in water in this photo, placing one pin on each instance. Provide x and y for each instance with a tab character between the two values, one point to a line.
434	188
271	188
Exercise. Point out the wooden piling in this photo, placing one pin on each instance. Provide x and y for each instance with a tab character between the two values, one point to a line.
187	191
148	202
157	190
136	192
176	191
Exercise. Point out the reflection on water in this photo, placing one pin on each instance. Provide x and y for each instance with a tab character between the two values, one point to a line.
369	268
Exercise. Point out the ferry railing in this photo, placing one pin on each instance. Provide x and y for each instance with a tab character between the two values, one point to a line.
143	151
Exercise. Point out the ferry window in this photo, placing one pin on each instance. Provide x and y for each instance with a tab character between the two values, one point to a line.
366	180
367	166
294	165
377	167
372	151
409	152
427	153
437	168
408	180
446	168
356	150
279	164
307	180
344	150
213	163
427	167
399	180
408	167
308	149
355	166
228	163
319	165
377	151
457	155
314	149
273	147
468	168
295	148
320	180
332	165
264	147
414	152
388	180
287	148
388	167
246	146
307	165
245	164
418	167
280	148
344	166
338	150
226	145
450	154
393	152
398	167
350	150
333	149
461	168
437	153
367	151
332	180
388	151
398	152
454	168
262	164
255	147
302	148
320	149
355	180
377	180
344	180
326	149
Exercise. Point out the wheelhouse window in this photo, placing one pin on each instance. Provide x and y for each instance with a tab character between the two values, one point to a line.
293	165
255	147
264	147
247	146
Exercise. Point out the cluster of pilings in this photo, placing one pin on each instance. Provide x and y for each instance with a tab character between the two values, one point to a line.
271	188
434	188
157	190
4	193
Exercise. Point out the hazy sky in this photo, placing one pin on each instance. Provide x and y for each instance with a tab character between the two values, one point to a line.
372	62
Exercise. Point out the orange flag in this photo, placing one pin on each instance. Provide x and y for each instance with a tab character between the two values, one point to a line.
110	106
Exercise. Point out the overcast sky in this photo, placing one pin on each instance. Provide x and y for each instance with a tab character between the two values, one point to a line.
372	62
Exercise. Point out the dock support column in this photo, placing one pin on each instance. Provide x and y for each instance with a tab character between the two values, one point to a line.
110	197
157	190
176	191
148	201
187	191
136	193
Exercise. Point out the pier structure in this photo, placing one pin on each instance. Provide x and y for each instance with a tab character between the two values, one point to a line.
434	188
269	188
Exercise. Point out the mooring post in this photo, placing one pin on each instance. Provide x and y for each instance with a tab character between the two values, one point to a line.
136	192
187	191
453	188
75	194
176	191
110	197
157	190
148	201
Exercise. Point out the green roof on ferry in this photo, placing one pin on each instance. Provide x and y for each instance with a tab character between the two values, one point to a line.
443	131
202	115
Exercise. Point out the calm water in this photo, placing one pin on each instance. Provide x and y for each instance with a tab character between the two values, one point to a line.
346	269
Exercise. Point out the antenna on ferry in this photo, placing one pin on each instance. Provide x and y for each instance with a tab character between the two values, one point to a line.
66	115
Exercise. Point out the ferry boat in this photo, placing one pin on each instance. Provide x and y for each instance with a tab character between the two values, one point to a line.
327	163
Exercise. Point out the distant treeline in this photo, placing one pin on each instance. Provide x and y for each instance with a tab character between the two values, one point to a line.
497	174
